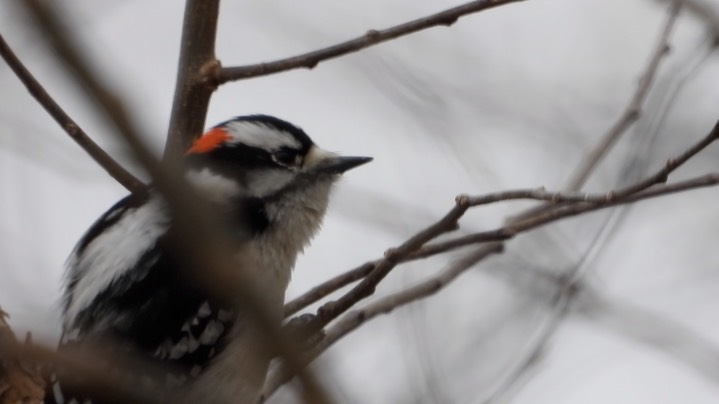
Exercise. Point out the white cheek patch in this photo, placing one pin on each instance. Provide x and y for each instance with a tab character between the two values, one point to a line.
263	137
213	186
265	182
114	252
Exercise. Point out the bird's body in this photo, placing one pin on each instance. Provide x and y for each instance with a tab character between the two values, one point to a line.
131	294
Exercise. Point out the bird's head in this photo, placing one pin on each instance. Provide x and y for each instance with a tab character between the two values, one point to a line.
265	158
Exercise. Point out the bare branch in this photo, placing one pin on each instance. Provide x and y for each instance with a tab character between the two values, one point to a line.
671	165
330	310
631	114
559	213
633	111
101	157
326	288
372	37
196	69
625	195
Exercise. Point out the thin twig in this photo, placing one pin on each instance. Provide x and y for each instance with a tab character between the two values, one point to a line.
330	310
671	165
634	109
624	195
372	37
112	167
629	117
562	212
328	287
589	164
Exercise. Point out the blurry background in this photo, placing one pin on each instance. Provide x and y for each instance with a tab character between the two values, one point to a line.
512	97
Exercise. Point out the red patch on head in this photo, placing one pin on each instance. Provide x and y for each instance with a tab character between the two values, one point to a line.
209	141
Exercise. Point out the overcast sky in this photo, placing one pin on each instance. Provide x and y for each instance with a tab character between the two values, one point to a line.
509	98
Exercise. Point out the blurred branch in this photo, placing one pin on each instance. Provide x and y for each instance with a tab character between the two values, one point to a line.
195	70
372	37
22	382
101	157
566	295
633	111
45	19
704	10
568	288
668	337
572	296
18	383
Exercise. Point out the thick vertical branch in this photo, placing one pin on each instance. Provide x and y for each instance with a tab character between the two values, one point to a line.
196	72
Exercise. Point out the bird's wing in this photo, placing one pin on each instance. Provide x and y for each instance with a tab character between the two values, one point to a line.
147	306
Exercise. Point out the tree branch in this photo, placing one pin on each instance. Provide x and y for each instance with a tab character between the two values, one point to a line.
631	114
196	69
561	212
112	167
325	288
330	310
633	110
372	37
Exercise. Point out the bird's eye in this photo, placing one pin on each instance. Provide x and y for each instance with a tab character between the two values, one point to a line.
286	157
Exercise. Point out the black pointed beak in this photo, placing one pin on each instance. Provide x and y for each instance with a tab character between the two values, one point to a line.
340	164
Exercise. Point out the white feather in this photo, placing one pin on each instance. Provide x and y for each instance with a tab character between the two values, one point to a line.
114	252
260	136
213	186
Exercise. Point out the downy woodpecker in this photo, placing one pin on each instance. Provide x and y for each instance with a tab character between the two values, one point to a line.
128	293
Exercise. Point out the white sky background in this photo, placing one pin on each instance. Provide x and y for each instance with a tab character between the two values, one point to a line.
509	98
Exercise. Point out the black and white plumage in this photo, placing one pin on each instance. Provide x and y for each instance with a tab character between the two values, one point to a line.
128	292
